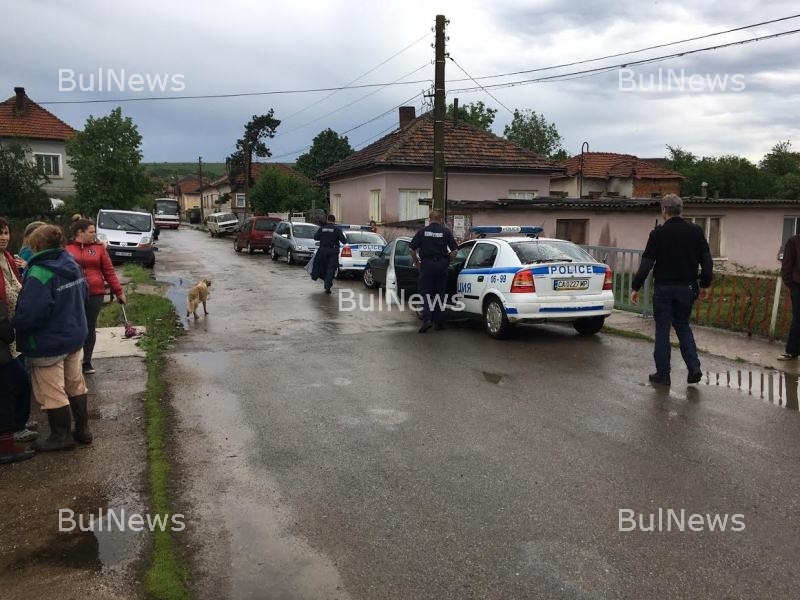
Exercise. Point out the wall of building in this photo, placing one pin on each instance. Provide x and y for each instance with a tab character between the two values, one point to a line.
750	237
59	187
355	192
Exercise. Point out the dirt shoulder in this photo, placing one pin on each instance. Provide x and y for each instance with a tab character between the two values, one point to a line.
36	559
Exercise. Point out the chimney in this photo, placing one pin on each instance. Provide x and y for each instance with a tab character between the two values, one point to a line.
455	112
407	114
19	105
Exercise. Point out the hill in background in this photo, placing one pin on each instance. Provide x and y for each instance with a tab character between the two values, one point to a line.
176	170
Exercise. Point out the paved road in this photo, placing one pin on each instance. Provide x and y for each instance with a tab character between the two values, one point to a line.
329	454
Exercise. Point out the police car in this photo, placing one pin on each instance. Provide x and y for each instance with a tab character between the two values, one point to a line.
510	275
362	244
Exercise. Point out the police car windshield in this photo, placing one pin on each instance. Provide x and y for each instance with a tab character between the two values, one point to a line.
363	237
539	251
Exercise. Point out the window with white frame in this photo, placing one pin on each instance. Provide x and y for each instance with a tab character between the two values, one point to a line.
522	194
410	208
375	206
241	201
336	206
791	226
712	227
49	163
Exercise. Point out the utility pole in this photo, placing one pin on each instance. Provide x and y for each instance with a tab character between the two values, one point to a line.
202	208
439	200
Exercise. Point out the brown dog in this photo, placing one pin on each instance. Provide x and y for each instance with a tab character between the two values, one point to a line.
197	295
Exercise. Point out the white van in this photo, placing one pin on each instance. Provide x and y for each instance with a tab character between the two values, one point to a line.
222	223
130	235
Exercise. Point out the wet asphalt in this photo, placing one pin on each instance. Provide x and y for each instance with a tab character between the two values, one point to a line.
332	454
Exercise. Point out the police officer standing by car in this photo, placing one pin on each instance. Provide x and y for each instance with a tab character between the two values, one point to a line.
432	247
326	260
675	251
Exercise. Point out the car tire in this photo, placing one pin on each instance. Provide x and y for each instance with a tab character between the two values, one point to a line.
589	325
272	254
250	249
210	233
289	257
236	246
369	279
495	319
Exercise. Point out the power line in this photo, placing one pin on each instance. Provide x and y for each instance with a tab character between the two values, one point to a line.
376	67
598	70
590	60
483	88
493	86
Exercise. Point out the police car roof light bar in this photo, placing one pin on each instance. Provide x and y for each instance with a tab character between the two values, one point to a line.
359	227
529	230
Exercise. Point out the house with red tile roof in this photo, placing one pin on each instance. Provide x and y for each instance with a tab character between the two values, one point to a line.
385	180
24	121
597	174
235	188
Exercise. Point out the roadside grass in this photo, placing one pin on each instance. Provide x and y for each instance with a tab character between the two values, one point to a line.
637	335
166	577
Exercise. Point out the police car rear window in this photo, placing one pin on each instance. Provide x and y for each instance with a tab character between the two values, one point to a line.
534	251
363	237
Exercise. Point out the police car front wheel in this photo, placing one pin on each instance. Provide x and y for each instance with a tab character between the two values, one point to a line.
495	319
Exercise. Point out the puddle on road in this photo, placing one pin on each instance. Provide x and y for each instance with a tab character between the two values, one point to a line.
776	387
495	378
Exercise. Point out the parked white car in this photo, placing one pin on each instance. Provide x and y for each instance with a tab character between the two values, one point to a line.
130	236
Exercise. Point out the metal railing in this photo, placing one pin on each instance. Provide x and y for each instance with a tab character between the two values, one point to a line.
754	304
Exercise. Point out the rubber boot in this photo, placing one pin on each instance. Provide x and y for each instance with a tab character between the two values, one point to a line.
60	431
11	451
80	414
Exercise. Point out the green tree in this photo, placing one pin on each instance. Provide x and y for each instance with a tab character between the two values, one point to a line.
474	113
781	160
327	149
278	191
727	176
256	132
106	157
532	131
20	182
787	186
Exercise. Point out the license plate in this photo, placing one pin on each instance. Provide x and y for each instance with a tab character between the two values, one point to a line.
368	253
570	284
124	253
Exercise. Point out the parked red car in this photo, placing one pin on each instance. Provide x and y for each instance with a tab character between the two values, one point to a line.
255	234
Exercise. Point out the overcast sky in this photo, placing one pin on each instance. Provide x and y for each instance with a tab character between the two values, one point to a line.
240	46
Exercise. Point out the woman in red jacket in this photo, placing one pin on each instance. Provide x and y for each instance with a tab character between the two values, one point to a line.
92	257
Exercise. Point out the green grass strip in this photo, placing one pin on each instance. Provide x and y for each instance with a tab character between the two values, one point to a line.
166	577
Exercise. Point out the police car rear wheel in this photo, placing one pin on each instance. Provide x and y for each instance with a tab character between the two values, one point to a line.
589	325
495	319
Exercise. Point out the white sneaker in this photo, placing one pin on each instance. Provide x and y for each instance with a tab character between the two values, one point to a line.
26	435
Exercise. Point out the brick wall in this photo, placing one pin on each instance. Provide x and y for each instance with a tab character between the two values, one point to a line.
645	188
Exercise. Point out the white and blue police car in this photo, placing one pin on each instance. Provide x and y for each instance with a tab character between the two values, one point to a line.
362	244
510	275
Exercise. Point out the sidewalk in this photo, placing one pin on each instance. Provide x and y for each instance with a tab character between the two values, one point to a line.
718	342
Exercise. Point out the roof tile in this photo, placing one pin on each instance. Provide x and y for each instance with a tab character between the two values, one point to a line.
33	122
604	165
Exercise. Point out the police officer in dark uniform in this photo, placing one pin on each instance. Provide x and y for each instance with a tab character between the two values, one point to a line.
431	249
326	260
675	251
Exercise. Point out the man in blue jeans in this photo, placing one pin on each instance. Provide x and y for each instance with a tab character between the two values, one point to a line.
674	252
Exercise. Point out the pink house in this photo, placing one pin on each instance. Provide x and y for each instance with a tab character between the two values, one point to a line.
385	180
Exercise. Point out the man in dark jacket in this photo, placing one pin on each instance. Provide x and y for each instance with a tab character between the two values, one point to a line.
51	327
432	247
326	260
790	273
675	251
